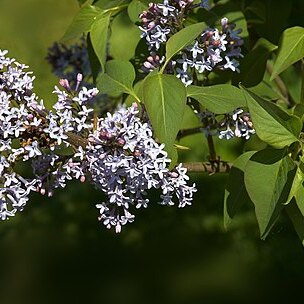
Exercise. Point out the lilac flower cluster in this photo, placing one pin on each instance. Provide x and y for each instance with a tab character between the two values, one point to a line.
212	49
28	131
235	124
17	120
159	22
117	153
125	161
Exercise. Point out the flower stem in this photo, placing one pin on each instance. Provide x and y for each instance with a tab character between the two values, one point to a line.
208	167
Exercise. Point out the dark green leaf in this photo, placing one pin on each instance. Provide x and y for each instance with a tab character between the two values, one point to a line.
99	37
165	101
297	219
235	193
82	22
291	49
253	65
234	15
274	15
94	61
222	98
268	178
272	124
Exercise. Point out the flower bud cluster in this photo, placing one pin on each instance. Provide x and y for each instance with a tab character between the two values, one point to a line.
234	124
212	49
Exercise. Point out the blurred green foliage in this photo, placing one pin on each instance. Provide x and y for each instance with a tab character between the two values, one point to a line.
57	252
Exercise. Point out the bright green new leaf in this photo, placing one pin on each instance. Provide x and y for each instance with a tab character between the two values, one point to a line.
182	39
272	124
82	22
268	178
99	37
291	49
125	36
253	65
235	193
165	101
222	98
135	8
118	79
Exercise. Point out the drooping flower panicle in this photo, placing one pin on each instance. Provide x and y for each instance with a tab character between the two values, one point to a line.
117	154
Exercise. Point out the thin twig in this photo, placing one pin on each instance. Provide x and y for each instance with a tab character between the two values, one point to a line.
208	167
280	84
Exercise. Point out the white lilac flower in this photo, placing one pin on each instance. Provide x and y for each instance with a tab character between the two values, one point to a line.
213	49
124	161
226	134
120	156
231	64
184	77
166	8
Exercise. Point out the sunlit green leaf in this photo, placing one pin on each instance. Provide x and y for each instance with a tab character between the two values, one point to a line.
272	124
291	49
165	101
118	79
99	37
82	22
125	36
108	4
183	38
268	178
135	8
222	98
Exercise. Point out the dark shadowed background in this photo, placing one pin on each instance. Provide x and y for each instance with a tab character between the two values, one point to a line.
57	252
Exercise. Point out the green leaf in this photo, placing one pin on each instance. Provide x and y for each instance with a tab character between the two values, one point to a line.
109	4
235	193
182	39
118	79
291	49
165	101
125	36
81	2
297	219
268	177
272	124
99	37
135	8
82	22
253	65
222	98
94	61
297	188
